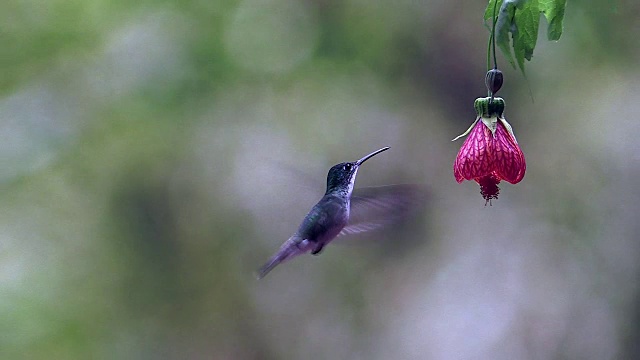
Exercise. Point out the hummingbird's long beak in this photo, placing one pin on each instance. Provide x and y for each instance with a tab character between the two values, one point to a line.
359	162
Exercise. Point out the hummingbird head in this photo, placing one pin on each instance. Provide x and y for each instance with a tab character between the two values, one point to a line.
342	177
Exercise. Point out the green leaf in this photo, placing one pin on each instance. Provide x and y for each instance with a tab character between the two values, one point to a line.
505	25
521	20
525	32
488	13
553	10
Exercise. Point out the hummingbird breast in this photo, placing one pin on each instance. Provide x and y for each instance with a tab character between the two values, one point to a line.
325	220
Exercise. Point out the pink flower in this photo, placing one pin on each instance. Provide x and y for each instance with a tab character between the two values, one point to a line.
490	153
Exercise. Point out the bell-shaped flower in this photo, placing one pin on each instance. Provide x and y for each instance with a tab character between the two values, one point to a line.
490	152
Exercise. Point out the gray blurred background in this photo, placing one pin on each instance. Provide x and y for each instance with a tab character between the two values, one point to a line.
155	153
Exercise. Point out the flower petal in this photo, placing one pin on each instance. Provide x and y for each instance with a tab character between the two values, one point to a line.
474	159
509	160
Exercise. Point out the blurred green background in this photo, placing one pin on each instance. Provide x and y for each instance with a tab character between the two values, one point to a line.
151	160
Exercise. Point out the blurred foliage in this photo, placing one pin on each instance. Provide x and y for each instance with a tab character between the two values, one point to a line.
144	147
521	19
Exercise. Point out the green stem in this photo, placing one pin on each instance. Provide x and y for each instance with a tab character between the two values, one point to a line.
493	35
492	45
489	52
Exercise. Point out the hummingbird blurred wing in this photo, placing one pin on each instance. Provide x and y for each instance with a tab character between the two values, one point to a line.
375	207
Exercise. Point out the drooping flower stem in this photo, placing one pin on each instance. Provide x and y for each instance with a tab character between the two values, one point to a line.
492	40
493	79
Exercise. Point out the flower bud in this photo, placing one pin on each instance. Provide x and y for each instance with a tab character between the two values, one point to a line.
493	80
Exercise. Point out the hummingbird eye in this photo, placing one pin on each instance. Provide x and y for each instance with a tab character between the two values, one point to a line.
347	167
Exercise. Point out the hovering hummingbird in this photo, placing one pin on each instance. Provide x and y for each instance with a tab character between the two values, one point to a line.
334	214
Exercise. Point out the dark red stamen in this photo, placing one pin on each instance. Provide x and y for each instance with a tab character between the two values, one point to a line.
489	187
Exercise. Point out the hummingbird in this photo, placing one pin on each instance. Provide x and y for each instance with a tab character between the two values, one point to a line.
330	217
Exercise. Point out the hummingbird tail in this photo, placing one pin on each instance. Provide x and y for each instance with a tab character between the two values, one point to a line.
266	268
288	250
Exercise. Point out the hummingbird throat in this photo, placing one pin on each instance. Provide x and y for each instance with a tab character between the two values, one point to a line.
347	190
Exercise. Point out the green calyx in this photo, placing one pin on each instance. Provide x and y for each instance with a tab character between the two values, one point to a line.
489	112
488	108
